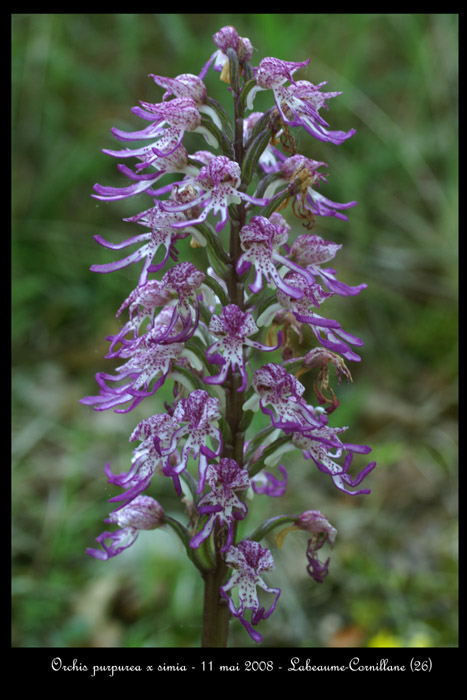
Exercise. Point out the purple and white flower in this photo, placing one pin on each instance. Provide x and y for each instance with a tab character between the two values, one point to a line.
149	360
311	251
298	103
328	331
219	183
249	560
142	304
275	387
146	460
197	419
222	504
143	513
190	86
303	174
260	241
325	459
161	233
175	162
227	38
232	328
170	120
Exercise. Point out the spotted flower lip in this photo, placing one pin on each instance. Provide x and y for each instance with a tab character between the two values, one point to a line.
143	513
222	504
232	328
249	560
260	241
277	388
197	419
298	103
325	460
218	181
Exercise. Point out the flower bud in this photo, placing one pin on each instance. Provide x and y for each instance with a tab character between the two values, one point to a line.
315	522
142	513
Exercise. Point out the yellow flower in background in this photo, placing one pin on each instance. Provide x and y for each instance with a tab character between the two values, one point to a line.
385	639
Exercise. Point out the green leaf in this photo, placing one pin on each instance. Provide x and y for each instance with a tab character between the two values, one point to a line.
217	289
253	154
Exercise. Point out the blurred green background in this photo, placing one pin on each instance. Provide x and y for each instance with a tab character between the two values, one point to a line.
393	577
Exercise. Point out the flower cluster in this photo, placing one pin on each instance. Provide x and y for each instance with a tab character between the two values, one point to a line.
195	321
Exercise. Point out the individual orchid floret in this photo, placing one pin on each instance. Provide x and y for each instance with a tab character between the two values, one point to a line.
303	174
219	181
310	252
189	86
260	241
143	513
268	484
149	360
183	282
175	162
275	387
249	560
197	419
298	103
328	332
325	459
227	38
232	328
185	85
314	522
170	120
177	293
161	233
222	504
142	304
146	460
322	358
321	531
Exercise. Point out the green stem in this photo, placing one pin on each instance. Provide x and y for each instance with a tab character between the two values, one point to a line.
216	613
